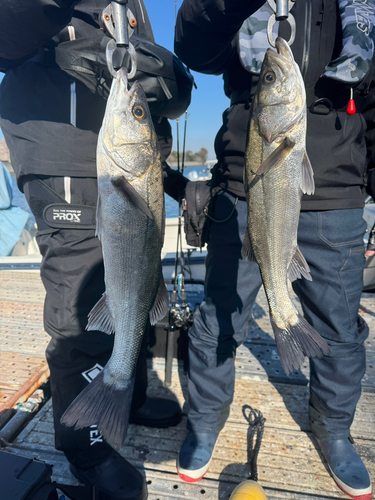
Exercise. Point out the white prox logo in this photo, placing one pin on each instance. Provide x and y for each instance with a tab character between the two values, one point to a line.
67	215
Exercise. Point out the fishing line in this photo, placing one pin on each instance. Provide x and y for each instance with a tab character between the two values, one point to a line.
184	143
178	143
179	251
179	229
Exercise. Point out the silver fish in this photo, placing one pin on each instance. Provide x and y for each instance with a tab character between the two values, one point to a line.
130	225
277	172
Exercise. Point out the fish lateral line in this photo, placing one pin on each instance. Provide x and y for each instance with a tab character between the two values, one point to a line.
275	159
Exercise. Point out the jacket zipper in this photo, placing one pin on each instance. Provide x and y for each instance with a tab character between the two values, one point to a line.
306	46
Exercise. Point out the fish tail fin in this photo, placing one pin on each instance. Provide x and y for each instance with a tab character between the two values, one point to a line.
102	405
296	342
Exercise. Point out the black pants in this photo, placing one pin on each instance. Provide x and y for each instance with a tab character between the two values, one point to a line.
72	272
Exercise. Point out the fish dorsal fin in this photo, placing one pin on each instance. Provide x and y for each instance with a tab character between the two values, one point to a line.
161	304
307	179
100	317
124	187
275	159
247	249
298	267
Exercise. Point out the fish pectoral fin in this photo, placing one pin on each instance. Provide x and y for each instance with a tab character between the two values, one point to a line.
298	267
307	179
275	159
161	304
100	317
247	249
123	186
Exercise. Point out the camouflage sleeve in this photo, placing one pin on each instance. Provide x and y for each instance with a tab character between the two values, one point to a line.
26	25
206	30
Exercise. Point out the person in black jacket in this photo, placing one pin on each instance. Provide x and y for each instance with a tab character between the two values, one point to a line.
330	234
50	120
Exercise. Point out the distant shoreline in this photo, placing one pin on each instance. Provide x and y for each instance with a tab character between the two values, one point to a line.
208	163
172	165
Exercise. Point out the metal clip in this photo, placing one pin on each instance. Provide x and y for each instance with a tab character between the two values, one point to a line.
120	37
281	9
111	47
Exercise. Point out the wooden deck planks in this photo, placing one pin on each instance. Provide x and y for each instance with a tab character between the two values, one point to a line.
288	459
23	339
289	465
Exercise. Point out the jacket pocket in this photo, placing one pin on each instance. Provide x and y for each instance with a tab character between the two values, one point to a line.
354	131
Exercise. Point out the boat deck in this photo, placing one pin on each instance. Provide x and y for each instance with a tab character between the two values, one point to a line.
289	465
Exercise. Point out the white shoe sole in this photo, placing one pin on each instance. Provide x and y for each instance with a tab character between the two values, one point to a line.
363	494
191	476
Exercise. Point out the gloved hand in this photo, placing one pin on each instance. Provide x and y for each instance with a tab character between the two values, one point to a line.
174	182
198	196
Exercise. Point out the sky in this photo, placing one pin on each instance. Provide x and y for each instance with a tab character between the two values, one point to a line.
208	100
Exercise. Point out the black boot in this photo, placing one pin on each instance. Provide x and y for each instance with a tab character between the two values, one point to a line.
157	412
115	478
347	468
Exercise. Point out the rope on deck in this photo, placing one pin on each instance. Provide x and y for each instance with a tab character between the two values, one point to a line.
256	425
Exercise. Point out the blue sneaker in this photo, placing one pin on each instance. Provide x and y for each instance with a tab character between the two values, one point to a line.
195	455
347	468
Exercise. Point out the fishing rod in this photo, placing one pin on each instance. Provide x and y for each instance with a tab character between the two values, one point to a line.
179	279
180	314
180	311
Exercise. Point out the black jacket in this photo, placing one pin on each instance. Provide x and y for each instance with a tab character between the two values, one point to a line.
206	41
35	95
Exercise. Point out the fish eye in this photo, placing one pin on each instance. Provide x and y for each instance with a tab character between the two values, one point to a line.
269	77
139	112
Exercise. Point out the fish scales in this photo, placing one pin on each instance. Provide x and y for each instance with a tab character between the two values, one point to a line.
133	248
278	215
277	172
130	225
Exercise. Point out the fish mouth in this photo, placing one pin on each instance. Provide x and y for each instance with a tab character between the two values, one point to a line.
122	75
122	78
283	48
283	57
